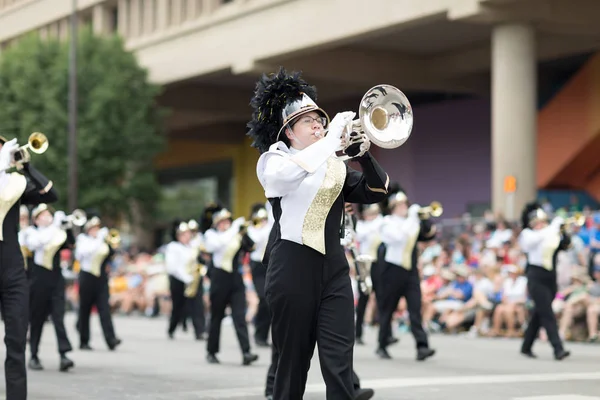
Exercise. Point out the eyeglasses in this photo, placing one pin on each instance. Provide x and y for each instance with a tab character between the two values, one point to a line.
308	120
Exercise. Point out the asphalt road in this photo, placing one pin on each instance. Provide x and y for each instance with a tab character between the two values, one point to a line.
150	366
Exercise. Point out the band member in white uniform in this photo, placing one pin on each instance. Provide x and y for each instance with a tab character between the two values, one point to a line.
368	238
94	253
182	262
194	307
308	284
30	187
541	242
259	233
24	229
399	273
47	291
226	241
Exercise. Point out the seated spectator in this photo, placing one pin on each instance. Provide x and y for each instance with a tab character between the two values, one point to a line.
511	309
451	299
487	294
593	311
574	303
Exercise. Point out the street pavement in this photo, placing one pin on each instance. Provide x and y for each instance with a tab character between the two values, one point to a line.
148	366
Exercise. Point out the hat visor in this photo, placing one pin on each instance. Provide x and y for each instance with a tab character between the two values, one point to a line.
299	113
3	140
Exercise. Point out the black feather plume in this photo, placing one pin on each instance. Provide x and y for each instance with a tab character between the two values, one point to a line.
271	94
529	207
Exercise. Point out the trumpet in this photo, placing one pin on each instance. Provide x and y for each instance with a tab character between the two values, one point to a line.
435	210
77	218
578	219
385	119
113	238
37	143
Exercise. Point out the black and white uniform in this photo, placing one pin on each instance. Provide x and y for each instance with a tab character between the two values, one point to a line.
399	273
27	254
227	287
94	255
47	290
308	286
541	247
195	306
368	238
180	259
16	189
262	320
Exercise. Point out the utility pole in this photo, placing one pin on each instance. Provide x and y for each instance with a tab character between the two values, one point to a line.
72	145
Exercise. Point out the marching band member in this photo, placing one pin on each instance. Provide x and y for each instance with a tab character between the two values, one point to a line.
182	260
225	241
541	242
399	274
25	228
94	253
259	233
32	188
368	238
47	291
307	285
194	307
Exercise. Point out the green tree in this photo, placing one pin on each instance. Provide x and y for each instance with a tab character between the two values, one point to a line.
120	126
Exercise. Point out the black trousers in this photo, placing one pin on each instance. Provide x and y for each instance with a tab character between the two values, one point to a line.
179	303
542	288
14	305
361	307
273	368
47	298
397	282
262	320
311	302
227	289
93	291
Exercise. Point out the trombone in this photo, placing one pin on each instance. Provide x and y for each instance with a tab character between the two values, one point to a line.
435	210
37	143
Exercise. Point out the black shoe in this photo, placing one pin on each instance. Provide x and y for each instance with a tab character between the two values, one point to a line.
383	354
249	358
270	397
561	355
392	340
85	347
65	364
112	344
363	394
35	364
171	335
262	343
359	341
424	353
528	354
212	359
200	336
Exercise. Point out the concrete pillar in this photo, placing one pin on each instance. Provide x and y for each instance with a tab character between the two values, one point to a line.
100	19
514	116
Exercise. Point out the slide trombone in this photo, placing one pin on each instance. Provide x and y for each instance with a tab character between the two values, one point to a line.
435	210
37	143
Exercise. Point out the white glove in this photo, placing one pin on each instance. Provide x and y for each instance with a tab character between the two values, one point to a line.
59	217
102	233
413	211
238	222
7	152
339	123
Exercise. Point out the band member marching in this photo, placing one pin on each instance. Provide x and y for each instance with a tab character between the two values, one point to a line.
25	228
368	239
94	250
30	187
47	291
399	273
307	285
541	242
259	233
226	240
182	262
194	307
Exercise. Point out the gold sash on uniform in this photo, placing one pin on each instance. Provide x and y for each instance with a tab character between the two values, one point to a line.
58	239
98	258
230	251
9	195
549	246
408	250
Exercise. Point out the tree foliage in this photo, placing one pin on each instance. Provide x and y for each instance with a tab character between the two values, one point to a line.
120	127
